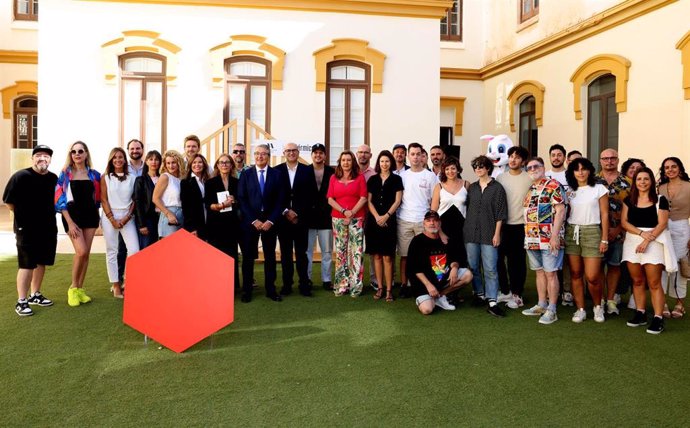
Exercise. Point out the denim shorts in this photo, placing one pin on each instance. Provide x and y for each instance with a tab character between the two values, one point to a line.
614	254
545	260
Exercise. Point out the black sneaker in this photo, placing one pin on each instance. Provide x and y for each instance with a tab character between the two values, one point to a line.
478	300
23	310
639	319
657	326
328	286
496	311
39	299
374	285
405	292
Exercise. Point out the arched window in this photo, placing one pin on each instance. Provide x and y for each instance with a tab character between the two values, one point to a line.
602	117
247	93
25	129
143	99
347	106
529	135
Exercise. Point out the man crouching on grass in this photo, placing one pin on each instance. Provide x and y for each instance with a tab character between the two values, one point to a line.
433	269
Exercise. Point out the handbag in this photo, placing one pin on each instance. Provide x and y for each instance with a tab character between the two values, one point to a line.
684	265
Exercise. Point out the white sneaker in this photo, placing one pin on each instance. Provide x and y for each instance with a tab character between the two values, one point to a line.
579	316
567	299
442	302
612	308
534	311
549	317
599	314
631	302
504	298
515	302
617	298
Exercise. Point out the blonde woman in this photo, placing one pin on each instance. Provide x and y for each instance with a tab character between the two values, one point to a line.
78	197
118	212
166	194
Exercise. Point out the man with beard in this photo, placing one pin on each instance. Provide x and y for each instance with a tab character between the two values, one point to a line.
239	154
433	269
437	158
29	195
399	154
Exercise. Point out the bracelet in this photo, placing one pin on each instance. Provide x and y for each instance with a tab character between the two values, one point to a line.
605	242
342	210
640	232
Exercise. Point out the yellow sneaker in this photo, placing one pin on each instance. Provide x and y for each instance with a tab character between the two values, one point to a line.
83	298
73	297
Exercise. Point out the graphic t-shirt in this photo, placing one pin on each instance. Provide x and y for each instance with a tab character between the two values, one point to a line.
432	258
540	212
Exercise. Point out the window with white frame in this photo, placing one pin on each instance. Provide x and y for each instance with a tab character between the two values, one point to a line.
247	93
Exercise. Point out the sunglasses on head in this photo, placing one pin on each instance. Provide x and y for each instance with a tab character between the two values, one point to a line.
77	152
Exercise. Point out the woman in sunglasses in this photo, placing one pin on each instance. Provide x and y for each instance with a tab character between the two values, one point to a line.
77	197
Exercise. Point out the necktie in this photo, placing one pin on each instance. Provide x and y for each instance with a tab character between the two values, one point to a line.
262	181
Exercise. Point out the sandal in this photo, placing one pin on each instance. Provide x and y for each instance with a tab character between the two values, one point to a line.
379	294
666	313
678	311
389	295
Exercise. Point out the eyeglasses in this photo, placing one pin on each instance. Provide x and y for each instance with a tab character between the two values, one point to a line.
291	150
236	152
534	167
224	163
260	153
609	158
77	152
478	166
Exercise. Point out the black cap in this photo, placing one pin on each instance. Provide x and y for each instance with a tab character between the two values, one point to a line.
317	147
431	214
399	146
42	149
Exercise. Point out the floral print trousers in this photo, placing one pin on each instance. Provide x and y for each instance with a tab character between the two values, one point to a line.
348	255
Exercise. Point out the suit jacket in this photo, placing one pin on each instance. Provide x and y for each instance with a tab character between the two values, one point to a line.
192	206
300	195
143	201
252	201
319	214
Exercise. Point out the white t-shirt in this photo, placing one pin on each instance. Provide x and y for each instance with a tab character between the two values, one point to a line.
584	204
558	176
416	200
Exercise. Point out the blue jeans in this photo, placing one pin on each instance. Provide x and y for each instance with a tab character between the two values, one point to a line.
489	259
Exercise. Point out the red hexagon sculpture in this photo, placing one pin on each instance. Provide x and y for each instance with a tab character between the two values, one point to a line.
180	290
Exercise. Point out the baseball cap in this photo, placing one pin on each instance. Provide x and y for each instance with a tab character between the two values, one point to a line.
431	214
399	146
42	149
317	147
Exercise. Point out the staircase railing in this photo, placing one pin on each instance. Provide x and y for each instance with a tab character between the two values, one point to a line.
221	141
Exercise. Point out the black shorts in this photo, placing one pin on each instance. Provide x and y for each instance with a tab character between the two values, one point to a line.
31	255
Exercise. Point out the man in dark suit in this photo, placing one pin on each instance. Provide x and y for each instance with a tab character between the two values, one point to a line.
319	215
260	193
300	190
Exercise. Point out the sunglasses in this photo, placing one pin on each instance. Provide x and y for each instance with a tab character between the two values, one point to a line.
77	152
478	166
236	152
533	167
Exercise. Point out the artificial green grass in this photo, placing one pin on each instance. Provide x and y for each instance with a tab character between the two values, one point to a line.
330	361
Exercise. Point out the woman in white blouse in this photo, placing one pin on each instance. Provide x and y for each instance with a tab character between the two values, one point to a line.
586	235
166	194
117	189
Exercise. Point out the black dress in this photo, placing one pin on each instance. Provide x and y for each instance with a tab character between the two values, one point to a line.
223	228
82	209
382	240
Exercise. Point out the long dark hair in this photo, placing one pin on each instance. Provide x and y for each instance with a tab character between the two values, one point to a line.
355	167
574	166
204	172
450	160
152	154
635	194
110	168
386	154
681	173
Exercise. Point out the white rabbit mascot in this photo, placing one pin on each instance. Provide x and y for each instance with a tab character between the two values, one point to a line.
498	151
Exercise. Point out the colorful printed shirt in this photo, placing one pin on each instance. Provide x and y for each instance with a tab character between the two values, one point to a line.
540	213
619	189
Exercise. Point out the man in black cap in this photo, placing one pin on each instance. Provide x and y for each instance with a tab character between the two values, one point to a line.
400	154
319	215
29	195
433	269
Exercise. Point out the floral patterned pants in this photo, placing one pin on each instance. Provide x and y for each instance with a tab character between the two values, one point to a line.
348	255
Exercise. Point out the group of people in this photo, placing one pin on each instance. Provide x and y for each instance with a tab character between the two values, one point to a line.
608	230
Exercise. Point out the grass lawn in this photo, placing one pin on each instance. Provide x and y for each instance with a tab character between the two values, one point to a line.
331	361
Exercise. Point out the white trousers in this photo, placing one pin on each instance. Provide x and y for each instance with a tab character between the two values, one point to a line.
110	234
325	237
680	235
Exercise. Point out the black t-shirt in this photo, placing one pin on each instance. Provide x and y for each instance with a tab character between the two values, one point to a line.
645	217
32	195
432	258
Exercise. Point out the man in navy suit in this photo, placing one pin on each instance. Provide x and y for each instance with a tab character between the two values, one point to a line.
260	192
300	189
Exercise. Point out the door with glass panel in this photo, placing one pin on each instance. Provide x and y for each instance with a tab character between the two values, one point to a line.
143	100
347	107
602	116
25	123
247	93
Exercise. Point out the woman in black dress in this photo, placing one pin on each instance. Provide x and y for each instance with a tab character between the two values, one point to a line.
78	196
145	213
192	191
385	193
222	223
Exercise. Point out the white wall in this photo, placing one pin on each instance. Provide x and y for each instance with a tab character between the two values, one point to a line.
76	103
